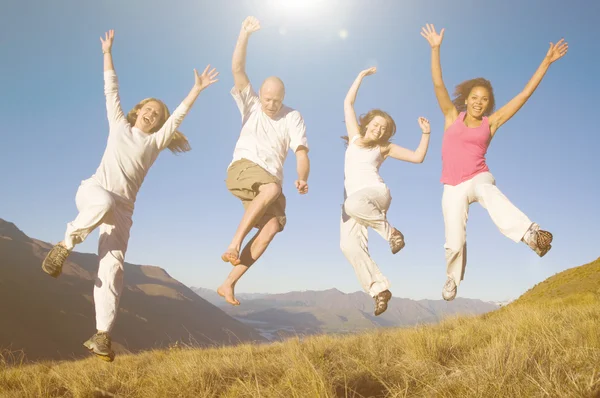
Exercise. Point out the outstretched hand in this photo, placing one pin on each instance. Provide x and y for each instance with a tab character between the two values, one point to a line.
250	25
206	78
301	186
108	41
557	51
424	124
367	72
434	39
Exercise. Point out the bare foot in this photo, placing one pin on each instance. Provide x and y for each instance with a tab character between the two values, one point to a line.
231	255
227	293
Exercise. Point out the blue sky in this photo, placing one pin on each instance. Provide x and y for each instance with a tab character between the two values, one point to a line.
544	159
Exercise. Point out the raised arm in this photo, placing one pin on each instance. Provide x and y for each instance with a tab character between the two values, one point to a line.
238	63
441	93
417	156
107	49
165	134
349	114
502	115
114	112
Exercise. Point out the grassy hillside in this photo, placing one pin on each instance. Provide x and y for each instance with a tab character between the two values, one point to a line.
573	286
546	344
49	318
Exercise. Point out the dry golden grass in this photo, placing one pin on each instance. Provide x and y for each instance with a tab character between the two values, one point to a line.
527	349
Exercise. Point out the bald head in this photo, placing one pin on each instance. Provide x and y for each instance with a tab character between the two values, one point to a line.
273	83
272	93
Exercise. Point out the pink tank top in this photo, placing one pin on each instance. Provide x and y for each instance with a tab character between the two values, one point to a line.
463	151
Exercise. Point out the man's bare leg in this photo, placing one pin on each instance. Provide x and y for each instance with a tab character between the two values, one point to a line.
267	194
252	252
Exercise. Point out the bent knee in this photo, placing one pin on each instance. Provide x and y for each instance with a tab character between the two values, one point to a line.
273	190
351	207
106	204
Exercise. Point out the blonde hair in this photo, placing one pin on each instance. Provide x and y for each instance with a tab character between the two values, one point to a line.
179	142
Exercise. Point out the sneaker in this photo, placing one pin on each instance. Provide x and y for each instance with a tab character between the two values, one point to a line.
538	240
100	344
449	291
55	259
381	302
396	241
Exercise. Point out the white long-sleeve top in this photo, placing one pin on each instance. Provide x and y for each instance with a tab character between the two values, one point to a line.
130	152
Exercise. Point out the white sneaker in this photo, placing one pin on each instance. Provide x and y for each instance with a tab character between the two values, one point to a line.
449	290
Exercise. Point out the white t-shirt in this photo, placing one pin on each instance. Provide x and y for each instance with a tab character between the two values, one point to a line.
263	140
130	152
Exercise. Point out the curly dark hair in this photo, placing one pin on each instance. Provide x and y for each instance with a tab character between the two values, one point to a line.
462	91
366	118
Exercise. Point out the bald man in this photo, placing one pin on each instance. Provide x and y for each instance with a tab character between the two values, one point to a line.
255	175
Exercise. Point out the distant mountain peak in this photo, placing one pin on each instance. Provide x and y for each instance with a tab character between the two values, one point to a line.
10	230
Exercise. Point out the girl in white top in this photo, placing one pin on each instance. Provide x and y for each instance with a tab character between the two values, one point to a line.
106	200
366	197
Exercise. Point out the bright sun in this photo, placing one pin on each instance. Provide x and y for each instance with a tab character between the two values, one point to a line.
296	4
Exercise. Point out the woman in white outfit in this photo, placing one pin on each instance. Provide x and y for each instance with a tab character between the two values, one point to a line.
106	200
366	197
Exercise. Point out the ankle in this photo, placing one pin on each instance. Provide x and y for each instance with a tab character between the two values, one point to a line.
234	246
229	283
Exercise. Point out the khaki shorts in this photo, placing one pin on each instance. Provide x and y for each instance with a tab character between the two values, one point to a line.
244	178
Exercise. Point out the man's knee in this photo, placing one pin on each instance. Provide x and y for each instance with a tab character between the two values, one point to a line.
272	190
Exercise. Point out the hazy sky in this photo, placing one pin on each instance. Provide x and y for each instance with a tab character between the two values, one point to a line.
545	159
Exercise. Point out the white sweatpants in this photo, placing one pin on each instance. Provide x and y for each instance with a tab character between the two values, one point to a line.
101	208
362	209
455	205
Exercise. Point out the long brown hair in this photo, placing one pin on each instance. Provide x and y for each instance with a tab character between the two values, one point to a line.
365	119
462	91
179	142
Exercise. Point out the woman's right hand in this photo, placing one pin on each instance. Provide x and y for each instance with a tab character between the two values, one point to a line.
424	124
108	41
250	25
434	39
368	72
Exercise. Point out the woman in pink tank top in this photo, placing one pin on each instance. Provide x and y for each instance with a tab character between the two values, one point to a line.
367	198
470	125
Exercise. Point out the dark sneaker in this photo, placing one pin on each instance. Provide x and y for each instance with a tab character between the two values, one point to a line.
538	240
396	241
55	259
100	344
449	291
381	302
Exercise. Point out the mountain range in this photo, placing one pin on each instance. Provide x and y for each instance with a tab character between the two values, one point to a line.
278	316
49	318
